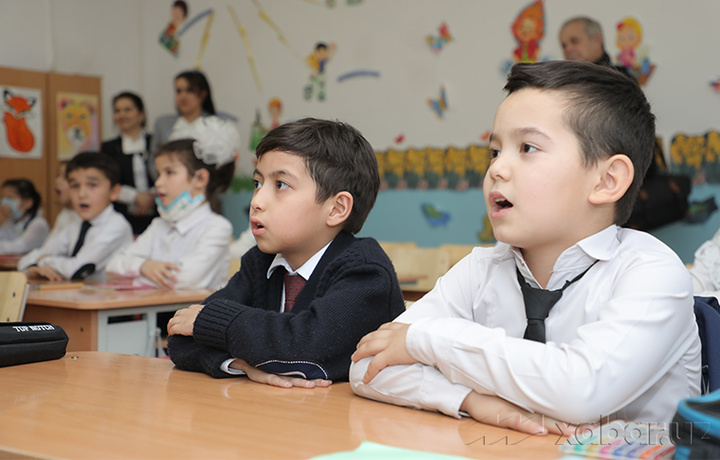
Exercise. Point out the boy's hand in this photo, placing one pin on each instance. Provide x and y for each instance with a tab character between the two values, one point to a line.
161	273
43	272
387	344
183	321
256	375
493	410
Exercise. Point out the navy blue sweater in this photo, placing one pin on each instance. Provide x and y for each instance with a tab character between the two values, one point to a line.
352	291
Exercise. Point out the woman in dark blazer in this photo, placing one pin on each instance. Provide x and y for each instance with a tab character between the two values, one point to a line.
131	151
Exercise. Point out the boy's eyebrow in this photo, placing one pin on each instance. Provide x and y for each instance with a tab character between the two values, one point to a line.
531	131
276	173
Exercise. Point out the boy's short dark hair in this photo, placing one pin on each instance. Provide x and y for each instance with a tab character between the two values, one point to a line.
607	111
338	158
99	161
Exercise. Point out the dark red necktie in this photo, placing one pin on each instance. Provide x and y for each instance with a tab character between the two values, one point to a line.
293	286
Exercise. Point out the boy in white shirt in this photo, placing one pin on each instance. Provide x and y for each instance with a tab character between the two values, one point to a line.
570	145
82	248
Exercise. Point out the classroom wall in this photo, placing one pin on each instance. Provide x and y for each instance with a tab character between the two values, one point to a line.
118	41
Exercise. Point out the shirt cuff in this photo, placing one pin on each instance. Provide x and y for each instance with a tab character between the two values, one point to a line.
225	367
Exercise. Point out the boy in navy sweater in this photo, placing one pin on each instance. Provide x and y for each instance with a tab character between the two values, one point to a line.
315	183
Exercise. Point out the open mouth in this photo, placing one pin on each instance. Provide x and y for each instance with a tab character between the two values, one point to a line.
502	203
84	207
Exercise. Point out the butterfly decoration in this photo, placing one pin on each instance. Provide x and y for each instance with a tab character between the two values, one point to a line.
437	43
715	85
439	105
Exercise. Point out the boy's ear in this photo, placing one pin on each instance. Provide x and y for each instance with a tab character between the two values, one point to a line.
115	192
616	176
342	204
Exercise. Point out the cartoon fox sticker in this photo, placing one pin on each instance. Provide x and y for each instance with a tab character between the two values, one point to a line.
15	110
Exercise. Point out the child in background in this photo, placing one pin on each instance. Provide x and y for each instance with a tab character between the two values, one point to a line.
82	249
67	215
22	227
570	145
187	246
309	290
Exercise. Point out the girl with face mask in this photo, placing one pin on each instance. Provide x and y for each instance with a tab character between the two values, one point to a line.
22	227
187	246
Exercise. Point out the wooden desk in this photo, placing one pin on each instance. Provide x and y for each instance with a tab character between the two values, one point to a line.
108	319
105	405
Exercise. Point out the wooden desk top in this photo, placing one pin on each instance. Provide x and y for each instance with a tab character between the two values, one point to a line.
94	298
93	404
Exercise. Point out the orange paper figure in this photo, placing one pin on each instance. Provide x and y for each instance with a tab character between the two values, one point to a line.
19	136
528	29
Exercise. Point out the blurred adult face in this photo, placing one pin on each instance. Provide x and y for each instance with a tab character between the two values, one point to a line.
578	46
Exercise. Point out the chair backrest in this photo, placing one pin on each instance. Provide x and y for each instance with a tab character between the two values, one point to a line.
13	295
707	315
233	268
423	265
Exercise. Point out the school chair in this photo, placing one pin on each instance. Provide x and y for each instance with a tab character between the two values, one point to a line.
419	268
457	251
707	315
233	268
13	295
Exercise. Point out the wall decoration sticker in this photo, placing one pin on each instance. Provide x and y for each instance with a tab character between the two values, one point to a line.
438	42
318	61
21	132
633	54
78	127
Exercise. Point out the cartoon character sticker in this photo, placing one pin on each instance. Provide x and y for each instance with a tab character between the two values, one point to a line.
318	61
22	123
528	29
78	128
633	55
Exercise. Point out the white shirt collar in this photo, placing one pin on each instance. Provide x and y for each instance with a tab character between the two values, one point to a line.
131	146
201	214
103	216
306	270
575	259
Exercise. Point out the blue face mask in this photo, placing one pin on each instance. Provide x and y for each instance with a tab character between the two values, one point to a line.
180	207
13	204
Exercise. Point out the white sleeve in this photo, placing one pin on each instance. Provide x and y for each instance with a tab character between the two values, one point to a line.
33	237
128	261
127	194
197	265
57	243
705	270
645	327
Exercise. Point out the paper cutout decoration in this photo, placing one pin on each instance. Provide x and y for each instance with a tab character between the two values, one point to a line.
78	128
275	110
358	73
528	30
486	235
400	138
439	105
633	55
280	36
437	43
22	123
715	85
697	157
434	216
318	61
170	36
248	48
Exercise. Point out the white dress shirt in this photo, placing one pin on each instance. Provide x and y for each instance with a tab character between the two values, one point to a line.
15	238
621	342
705	270
137	148
198	243
65	217
108	233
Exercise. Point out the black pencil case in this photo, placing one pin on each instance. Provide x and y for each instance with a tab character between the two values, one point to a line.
29	342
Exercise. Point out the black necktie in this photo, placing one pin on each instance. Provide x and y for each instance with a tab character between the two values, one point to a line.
538	303
81	238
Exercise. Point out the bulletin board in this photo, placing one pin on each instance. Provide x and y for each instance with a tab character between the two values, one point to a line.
23	139
74	114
